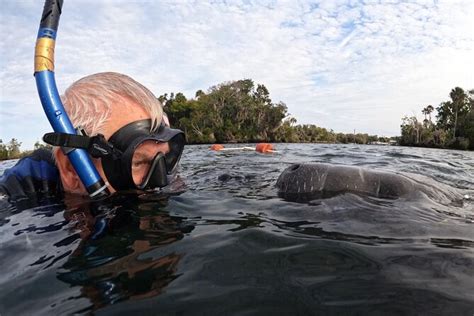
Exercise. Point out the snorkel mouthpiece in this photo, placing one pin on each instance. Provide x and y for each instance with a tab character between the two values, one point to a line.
49	96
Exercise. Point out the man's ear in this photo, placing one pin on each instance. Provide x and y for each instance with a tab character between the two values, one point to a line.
69	178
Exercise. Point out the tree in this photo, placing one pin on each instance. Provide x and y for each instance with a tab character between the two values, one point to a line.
459	102
163	99
3	151
411	130
39	145
199	93
455	118
13	148
427	111
229	112
466	120
453	128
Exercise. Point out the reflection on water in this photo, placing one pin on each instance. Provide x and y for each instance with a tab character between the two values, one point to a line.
108	265
229	245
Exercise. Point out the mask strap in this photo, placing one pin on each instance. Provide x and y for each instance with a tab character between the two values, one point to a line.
96	146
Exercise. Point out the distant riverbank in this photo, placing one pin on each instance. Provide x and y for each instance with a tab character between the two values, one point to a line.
243	112
453	126
16	153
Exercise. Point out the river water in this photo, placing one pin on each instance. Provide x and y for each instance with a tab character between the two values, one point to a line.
230	245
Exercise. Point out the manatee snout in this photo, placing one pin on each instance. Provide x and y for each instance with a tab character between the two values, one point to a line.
302	182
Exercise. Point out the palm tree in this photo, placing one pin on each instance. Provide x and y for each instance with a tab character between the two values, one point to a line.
425	112
429	109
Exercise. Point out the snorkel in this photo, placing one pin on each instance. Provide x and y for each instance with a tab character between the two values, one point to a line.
52	105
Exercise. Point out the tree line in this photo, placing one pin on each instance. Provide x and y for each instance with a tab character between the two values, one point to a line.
242	111
452	128
231	112
11	150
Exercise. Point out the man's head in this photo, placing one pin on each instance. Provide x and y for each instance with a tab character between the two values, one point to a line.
103	104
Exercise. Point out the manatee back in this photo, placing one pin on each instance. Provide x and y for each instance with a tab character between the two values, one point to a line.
324	180
304	182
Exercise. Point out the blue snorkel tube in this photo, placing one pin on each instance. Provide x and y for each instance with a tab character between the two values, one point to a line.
52	105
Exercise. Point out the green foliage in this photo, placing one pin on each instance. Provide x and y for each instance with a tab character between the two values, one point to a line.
454	126
39	145
3	151
11	150
242	111
235	111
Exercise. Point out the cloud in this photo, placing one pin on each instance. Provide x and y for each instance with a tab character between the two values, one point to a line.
341	64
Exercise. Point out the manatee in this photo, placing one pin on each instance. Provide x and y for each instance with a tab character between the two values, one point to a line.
303	182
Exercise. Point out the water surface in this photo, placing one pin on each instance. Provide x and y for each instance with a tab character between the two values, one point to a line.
230	245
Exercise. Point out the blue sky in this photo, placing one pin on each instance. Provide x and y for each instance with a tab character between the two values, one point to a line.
339	64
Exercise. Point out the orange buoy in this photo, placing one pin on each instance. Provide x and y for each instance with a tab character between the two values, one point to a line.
264	148
217	147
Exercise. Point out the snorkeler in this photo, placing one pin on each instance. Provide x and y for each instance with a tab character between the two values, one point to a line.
110	133
120	124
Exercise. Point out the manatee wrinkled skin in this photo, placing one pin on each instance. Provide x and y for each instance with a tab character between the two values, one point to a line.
302	182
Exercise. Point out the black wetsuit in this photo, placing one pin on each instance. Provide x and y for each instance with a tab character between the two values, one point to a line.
32	178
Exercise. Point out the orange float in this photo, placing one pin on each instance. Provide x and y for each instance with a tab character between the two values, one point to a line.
264	148
217	147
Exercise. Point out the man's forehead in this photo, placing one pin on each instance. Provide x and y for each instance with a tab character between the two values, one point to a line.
122	115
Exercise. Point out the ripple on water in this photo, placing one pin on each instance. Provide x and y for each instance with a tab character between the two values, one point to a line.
229	245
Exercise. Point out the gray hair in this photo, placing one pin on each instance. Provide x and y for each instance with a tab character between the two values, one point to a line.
90	100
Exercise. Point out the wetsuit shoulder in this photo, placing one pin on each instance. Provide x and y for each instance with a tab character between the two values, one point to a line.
33	175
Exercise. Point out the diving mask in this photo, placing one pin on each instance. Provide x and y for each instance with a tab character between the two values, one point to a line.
131	158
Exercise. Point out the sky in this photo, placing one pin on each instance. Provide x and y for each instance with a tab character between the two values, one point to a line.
340	64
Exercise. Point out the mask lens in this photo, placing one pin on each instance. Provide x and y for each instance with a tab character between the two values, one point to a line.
143	160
